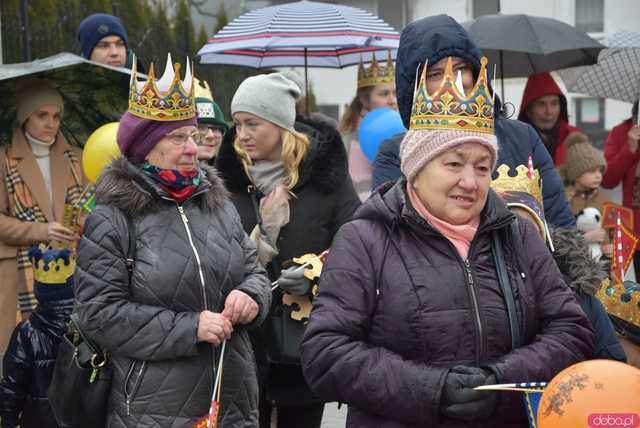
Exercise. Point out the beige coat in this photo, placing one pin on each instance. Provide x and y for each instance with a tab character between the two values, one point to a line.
15	233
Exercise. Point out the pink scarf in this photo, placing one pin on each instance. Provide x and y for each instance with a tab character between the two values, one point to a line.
459	235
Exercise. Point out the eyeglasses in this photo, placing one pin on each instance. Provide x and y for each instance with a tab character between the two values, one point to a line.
181	138
203	129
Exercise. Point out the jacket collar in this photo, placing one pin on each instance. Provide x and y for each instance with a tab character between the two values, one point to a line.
124	186
32	176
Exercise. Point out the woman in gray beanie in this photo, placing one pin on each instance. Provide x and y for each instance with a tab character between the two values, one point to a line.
290	184
40	172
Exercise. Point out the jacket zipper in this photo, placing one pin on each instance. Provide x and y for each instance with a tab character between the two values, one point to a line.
185	221
129	396
476	311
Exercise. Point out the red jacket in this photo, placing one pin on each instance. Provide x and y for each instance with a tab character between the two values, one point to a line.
621	166
539	85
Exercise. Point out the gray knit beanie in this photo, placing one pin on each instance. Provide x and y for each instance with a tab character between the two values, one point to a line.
269	96
419	146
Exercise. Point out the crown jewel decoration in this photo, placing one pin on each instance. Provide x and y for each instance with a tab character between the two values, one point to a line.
525	181
164	99
449	108
376	74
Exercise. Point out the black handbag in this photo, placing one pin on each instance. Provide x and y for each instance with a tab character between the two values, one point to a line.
285	334
79	389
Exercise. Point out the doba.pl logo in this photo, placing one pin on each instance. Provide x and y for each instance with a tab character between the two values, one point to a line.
614	420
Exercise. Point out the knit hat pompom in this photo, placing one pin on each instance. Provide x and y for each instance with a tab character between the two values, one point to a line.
419	146
581	156
269	96
34	93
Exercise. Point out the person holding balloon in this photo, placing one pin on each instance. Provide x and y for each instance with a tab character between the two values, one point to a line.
376	89
194	287
290	184
40	174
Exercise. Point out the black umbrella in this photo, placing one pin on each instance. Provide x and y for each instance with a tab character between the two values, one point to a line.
521	45
94	94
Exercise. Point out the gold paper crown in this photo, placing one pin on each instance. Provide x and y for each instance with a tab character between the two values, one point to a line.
165	99
449	108
52	266
526	181
620	301
202	89
376	73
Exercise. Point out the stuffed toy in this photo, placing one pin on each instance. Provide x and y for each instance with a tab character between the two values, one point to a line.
590	219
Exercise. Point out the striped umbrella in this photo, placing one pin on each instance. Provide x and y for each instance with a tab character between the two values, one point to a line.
303	33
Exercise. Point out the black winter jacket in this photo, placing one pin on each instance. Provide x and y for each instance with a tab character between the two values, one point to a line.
28	367
162	375
397	307
325	200
438	37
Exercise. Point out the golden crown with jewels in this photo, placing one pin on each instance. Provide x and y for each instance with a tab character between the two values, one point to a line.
449	107
164	99
376	73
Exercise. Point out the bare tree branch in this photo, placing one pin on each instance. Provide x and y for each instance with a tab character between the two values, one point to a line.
198	5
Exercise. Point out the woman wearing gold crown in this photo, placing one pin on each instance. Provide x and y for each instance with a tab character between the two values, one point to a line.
423	297
376	88
290	184
40	173
195	280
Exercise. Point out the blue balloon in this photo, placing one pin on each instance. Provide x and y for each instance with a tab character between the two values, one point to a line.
377	126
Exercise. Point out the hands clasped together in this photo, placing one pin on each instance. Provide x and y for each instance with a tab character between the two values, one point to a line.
215	327
461	401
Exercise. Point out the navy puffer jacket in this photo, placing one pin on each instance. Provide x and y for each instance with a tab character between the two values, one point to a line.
397	307
438	37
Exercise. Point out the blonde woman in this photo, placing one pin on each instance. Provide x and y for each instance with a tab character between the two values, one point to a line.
290	184
376	89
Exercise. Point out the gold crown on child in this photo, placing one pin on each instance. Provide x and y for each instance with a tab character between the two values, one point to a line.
376	73
449	107
526	181
164	99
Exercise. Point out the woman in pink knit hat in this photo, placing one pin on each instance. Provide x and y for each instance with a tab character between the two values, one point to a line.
434	288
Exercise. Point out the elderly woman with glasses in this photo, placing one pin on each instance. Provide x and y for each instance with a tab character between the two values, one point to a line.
195	281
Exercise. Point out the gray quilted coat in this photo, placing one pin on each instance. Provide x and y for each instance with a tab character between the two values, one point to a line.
162	375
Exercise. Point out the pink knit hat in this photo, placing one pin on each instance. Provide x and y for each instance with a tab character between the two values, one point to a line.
419	146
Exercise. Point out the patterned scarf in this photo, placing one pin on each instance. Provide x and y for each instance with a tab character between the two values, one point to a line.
180	186
24	207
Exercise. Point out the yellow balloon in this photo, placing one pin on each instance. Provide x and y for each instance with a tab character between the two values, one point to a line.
100	150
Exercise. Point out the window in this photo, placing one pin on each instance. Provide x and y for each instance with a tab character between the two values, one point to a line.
590	15
393	13
485	7
590	118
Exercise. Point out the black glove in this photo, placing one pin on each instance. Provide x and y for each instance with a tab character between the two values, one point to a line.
460	401
293	281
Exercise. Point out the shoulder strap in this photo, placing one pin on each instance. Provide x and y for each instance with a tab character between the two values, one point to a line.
131	250
507	292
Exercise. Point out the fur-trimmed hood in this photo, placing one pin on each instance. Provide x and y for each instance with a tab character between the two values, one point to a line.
580	271
124	186
325	166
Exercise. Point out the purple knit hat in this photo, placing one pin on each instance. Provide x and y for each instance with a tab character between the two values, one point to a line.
138	136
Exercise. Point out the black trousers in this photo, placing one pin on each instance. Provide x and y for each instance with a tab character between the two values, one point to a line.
305	416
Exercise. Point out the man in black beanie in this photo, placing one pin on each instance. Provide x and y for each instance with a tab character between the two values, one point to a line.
104	39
